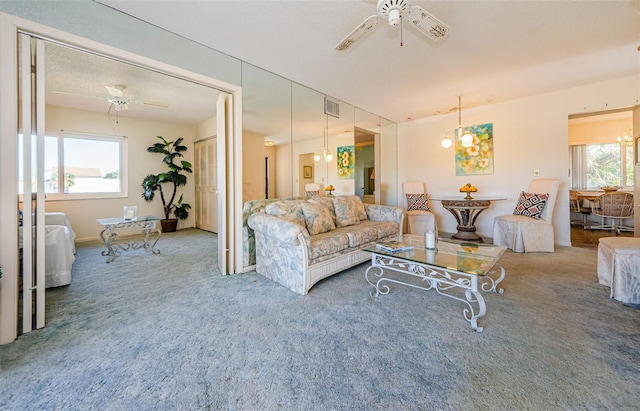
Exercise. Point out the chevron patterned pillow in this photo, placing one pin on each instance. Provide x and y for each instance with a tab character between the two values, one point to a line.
531	204
417	202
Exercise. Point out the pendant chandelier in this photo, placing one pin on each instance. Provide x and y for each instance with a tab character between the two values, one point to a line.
466	138
626	139
326	154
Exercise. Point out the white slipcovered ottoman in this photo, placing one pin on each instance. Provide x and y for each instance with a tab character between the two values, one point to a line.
619	267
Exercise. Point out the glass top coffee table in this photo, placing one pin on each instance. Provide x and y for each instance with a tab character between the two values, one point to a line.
455	269
109	235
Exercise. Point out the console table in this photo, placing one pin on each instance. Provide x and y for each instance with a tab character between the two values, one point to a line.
146	225
453	269
465	212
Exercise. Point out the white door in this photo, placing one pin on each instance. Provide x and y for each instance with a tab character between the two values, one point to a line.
206	179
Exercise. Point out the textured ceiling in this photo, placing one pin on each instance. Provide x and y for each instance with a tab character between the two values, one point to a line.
78	79
496	50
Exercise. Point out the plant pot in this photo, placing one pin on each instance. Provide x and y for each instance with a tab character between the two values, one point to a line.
169	225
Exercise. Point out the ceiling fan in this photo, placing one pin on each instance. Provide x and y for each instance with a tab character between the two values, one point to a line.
393	11
117	99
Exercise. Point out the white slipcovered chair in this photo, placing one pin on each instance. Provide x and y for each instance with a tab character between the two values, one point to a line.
619	267
524	234
312	190
419	220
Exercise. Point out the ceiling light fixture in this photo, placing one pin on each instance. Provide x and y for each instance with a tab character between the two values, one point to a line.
626	139
465	138
326	154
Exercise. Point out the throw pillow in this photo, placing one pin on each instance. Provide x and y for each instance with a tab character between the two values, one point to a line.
345	212
326	203
361	212
417	202
531	204
317	217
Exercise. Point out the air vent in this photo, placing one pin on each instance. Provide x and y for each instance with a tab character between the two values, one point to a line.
331	107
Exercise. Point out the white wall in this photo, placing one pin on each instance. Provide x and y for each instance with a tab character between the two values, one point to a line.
529	133
140	135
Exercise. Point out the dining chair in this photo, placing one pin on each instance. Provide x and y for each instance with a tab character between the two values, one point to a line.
577	205
530	227
615	206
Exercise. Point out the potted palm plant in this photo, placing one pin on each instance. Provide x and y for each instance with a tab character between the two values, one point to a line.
173	178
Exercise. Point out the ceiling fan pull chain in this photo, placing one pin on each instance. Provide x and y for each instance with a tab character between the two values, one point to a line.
401	31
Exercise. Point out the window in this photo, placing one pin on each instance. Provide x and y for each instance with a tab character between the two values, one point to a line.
83	166
599	165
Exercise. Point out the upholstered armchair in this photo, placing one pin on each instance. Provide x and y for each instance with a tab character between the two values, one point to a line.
420	219
530	228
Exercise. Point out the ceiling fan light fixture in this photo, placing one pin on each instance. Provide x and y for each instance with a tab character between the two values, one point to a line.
394	17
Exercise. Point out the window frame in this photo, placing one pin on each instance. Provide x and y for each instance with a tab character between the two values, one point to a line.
61	135
624	161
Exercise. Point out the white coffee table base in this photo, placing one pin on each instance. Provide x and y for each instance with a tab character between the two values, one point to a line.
444	281
111	239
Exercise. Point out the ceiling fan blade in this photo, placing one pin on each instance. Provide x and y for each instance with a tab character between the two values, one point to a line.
155	104
358	32
427	23
71	93
116	91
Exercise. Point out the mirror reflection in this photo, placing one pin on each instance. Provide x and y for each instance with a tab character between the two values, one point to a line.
294	136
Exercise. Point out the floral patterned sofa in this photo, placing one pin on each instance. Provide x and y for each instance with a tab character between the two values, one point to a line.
300	242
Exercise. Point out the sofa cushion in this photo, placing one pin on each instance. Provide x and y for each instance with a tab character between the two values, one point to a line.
359	207
384	228
328	243
360	234
317	217
345	212
288	209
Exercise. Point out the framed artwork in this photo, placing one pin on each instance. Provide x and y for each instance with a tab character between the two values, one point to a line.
307	171
477	158
346	161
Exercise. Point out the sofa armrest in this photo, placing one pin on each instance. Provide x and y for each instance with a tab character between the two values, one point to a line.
276	228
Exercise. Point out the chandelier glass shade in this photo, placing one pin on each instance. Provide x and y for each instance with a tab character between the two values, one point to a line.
446	141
